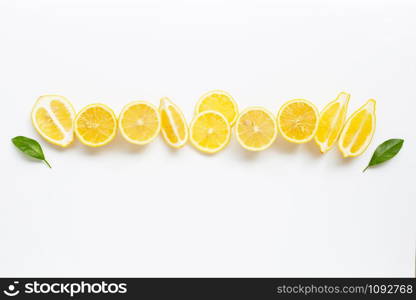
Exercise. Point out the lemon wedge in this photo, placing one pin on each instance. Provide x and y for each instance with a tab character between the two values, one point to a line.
256	129
358	131
297	121
210	132
173	124
95	125
219	101
331	121
52	117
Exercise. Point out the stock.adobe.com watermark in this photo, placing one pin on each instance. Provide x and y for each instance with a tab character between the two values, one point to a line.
71	289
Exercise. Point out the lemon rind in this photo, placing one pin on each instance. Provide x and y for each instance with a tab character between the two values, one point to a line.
316	125
68	135
164	104
346	153
208	150
323	147
248	109
235	105
80	137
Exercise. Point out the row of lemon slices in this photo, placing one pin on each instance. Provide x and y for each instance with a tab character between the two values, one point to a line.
256	128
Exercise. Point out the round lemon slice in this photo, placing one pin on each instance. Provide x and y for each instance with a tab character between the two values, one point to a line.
173	124
95	125
256	129
297	121
210	132
52	117
331	121
358	131
139	122
219	101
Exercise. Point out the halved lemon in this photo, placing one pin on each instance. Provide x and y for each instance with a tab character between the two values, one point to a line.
358	130
173	124
331	121
210	132
256	128
297	121
52	117
219	101
95	125
139	122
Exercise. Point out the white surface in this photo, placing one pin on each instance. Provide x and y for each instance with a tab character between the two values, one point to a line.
124	210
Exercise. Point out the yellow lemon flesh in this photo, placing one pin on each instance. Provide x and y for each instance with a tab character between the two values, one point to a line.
52	117
221	102
173	124
210	132
95	125
297	121
256	129
331	121
358	130
139	122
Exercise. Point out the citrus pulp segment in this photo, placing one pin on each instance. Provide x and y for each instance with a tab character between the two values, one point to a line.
210	132
358	131
331	121
95	125
139	122
297	121
52	117
219	101
173	124
256	129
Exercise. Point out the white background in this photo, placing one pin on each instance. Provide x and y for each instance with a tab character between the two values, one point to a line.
124	210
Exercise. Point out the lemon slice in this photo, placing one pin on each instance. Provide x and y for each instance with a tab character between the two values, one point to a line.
210	132
256	129
139	122
358	130
297	121
331	121
52	117
173	124
95	125
221	102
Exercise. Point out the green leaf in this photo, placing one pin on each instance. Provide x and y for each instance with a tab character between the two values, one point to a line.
385	152
30	148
